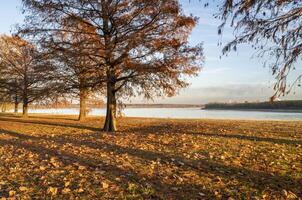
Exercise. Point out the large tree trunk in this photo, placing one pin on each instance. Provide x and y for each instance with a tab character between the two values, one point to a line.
25	95
16	104
83	107
16	107
3	108
110	122
25	107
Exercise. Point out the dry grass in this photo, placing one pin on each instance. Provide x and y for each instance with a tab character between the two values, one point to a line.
47	158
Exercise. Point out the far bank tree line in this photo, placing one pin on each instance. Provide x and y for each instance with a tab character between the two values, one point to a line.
293	105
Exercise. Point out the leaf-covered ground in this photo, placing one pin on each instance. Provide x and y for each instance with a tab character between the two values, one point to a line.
47	158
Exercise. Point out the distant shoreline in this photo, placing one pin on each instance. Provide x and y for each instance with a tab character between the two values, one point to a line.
164	106
257	110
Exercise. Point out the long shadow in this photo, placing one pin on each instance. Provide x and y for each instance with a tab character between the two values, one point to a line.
252	138
179	130
260	179
39	116
52	117
163	190
255	179
65	125
18	135
156	129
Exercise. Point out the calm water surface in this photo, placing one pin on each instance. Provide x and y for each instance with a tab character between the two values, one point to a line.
183	113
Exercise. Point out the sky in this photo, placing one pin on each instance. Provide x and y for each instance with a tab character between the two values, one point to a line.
239	76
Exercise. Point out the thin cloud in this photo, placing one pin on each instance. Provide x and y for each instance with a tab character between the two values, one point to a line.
216	70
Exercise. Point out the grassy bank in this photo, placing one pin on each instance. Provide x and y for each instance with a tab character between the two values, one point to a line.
45	157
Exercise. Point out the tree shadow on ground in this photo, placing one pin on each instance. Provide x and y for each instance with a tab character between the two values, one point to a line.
39	116
163	190
47	123
158	129
257	180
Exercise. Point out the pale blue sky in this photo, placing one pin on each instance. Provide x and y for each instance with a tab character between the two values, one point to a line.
236	77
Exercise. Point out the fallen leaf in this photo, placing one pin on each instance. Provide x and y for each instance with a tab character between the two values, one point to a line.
105	185
66	191
52	191
23	189
12	193
201	194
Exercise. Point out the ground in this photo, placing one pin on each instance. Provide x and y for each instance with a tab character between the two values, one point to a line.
46	157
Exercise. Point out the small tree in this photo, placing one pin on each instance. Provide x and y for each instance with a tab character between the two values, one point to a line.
25	72
4	99
274	27
8	86
143	44
76	63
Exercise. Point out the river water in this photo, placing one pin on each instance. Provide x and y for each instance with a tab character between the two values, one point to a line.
183	113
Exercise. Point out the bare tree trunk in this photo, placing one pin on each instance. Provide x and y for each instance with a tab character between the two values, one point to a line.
83	106
110	122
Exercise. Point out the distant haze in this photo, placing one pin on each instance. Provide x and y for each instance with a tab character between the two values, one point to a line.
227	93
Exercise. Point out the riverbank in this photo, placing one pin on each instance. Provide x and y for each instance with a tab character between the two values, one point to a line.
183	113
77	106
57	156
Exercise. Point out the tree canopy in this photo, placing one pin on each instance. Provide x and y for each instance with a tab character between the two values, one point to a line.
26	73
142	44
76	56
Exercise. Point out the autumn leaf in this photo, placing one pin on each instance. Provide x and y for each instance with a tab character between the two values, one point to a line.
52	191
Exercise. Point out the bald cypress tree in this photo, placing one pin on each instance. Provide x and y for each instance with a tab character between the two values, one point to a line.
142	44
26	74
75	53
